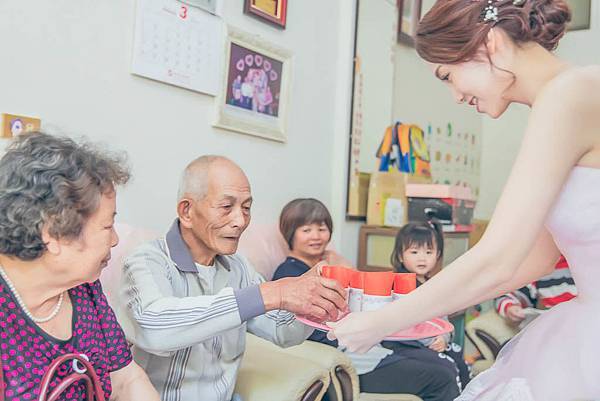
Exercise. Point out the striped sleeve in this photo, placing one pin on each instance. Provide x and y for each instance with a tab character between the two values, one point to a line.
162	322
558	286
524	297
503	302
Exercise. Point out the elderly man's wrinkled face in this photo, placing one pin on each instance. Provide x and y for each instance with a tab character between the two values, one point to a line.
220	218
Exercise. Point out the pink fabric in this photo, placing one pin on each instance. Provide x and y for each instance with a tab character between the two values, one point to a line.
27	351
265	248
129	238
556	357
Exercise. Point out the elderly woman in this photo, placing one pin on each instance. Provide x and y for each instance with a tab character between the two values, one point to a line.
406	367
57	209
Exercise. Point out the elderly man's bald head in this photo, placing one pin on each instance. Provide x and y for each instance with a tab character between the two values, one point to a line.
213	207
196	177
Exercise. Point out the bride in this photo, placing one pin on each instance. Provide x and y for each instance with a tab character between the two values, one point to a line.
491	53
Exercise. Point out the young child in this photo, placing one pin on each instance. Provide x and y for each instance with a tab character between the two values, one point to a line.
419	249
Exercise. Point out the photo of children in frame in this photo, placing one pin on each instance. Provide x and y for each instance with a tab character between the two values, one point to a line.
253	81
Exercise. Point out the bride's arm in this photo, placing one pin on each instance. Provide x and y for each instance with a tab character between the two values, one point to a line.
555	140
540	262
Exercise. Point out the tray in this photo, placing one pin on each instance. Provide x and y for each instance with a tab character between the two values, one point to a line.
430	328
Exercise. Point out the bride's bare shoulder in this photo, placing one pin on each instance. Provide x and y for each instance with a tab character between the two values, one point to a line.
576	87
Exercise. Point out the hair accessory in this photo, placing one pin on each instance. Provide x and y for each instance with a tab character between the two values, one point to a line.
519	2
490	13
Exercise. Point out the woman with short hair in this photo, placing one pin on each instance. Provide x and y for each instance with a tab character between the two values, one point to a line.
57	209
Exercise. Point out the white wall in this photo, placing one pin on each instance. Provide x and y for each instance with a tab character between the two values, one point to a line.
421	99
502	137
377	23
345	232
68	62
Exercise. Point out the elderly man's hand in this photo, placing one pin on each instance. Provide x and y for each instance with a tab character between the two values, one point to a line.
311	296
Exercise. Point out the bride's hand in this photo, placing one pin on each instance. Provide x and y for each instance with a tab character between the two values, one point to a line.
357	332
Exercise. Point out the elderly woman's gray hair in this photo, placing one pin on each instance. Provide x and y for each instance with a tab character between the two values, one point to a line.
53	182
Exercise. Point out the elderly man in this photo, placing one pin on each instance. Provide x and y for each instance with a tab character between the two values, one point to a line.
188	298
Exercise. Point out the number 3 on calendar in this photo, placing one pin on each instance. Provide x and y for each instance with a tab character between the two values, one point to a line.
183	12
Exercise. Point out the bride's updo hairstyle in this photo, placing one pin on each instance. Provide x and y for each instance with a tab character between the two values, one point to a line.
453	30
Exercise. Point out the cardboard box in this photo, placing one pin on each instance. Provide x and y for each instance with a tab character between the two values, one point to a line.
438	191
479	227
451	205
386	185
358	194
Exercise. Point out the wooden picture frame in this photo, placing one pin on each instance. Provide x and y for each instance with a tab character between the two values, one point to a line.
581	11
256	86
273	12
409	15
14	125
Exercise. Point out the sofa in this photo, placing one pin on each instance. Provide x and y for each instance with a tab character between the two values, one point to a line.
266	373
489	332
301	373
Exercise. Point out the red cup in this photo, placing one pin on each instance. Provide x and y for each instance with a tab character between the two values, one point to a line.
404	282
357	279
378	283
340	274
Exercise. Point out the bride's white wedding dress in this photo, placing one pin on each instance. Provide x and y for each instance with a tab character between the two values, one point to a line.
557	357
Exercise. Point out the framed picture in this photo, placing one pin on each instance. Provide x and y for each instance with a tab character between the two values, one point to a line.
255	92
271	11
13	125
409	15
581	11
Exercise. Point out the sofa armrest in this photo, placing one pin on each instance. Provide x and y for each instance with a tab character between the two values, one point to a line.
489	332
344	378
268	373
481	366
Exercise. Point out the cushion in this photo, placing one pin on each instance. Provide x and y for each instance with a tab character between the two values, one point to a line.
331	359
129	238
495	326
264	247
267	373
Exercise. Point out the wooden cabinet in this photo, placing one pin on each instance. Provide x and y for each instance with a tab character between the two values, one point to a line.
375	246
